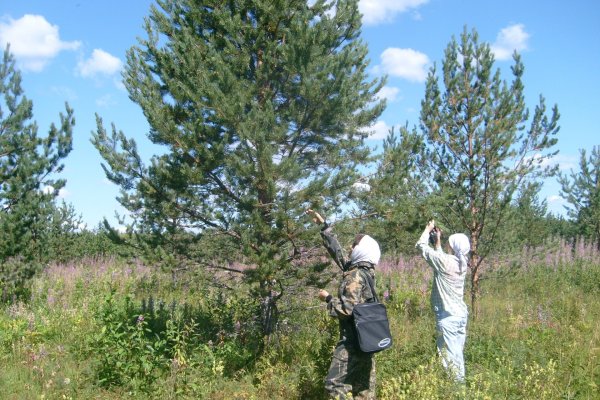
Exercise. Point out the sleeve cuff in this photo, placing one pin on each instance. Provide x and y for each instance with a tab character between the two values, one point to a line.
328	298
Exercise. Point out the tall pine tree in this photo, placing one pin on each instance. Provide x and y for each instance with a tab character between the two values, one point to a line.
260	107
481	149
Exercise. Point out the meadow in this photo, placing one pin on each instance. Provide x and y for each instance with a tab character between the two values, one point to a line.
111	329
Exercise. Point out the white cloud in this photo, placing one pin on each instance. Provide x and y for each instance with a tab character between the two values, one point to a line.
564	162
33	41
119	84
509	39
100	63
381	11
64	92
379	130
404	63
106	101
388	92
557	204
120	228
555	199
361	187
63	193
417	16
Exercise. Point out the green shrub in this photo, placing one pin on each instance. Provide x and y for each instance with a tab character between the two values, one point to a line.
125	351
15	275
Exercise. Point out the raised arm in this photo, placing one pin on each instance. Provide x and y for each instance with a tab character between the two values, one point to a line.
329	240
431	255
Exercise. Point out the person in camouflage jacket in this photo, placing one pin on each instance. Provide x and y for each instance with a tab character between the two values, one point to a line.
351	372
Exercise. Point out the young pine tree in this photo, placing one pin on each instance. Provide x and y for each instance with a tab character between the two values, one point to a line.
481	149
396	200
29	165
582	192
527	222
260	108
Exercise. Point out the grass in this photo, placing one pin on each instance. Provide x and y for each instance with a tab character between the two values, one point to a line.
115	330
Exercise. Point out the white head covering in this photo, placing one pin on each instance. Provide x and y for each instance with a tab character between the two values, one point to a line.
459	242
366	250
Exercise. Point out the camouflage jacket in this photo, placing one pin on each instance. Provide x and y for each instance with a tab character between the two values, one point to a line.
354	287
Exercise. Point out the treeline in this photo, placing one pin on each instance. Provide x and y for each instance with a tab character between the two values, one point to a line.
263	112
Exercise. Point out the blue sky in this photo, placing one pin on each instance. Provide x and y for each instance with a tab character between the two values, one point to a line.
73	51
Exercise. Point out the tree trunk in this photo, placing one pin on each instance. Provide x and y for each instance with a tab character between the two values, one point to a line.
474	262
269	314
474	291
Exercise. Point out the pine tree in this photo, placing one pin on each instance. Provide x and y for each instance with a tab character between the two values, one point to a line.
480	147
582	192
395	203
260	107
29	166
527	222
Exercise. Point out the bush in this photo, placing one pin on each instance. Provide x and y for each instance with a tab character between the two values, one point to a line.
15	274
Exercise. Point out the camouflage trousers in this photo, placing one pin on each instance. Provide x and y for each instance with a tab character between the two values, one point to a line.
351	372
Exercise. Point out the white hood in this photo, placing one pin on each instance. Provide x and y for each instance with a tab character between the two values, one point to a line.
459	242
366	250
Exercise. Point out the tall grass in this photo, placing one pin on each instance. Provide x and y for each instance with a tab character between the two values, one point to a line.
106	329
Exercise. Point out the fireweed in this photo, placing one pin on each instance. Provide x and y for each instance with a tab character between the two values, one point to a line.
536	336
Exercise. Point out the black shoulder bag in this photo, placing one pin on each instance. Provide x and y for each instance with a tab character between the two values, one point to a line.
371	323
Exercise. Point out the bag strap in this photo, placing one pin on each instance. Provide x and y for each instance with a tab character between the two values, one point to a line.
370	282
